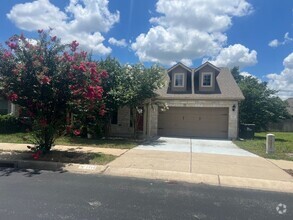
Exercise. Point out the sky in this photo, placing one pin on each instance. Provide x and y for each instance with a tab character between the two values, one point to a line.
256	35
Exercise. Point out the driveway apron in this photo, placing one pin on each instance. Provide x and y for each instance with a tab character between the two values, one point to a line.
216	157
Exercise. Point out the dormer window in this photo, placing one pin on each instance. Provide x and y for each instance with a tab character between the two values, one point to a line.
206	80
178	79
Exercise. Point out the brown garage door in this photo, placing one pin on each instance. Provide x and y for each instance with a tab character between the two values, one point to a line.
194	122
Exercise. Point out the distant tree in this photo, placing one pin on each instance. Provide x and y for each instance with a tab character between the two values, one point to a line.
261	104
236	74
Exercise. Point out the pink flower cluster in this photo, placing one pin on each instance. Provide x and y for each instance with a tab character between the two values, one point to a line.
74	45
94	92
12	45
13	97
45	80
37	154
7	55
76	132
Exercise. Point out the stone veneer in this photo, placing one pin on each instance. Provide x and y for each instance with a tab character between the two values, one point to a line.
122	128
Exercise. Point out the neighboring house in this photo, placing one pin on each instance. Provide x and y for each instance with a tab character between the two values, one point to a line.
290	106
284	125
203	103
6	107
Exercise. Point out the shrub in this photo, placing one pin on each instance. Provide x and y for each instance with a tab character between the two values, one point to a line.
10	124
46	79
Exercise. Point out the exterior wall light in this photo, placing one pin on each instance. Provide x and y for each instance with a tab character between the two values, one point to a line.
233	107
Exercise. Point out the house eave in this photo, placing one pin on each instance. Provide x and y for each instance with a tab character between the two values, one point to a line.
179	64
201	99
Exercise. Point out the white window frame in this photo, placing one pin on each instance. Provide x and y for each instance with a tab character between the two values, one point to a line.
183	80
202	78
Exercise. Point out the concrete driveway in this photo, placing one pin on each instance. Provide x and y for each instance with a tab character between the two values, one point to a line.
191	145
197	156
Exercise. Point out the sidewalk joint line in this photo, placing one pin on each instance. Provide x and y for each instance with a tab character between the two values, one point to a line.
276	165
190	164
219	180
104	170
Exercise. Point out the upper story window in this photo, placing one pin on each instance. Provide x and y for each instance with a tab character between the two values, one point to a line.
206	80
179	80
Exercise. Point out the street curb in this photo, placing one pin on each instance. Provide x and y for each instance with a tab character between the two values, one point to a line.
209	179
27	164
54	166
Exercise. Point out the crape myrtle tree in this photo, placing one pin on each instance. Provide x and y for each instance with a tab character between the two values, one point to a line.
46	79
129	85
261	104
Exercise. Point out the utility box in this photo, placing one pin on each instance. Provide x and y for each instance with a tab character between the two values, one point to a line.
246	131
270	143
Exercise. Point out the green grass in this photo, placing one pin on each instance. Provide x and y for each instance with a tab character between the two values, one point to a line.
61	156
102	159
76	157
19	138
283	145
24	138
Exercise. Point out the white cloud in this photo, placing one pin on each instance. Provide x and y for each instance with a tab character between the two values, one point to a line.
118	43
188	29
283	81
81	20
187	62
246	74
276	43
235	55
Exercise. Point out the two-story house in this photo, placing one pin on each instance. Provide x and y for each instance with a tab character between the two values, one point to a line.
202	103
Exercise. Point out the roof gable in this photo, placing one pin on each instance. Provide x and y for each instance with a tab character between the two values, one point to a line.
207	64
179	64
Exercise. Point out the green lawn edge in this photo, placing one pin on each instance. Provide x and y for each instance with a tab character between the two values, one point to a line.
25	138
283	145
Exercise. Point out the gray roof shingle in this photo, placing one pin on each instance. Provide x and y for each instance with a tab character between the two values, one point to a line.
229	90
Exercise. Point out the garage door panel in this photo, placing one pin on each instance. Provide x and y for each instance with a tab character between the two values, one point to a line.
194	122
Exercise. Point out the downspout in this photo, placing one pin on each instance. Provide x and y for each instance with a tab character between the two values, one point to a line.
192	80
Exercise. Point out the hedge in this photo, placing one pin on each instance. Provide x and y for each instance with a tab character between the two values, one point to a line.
10	124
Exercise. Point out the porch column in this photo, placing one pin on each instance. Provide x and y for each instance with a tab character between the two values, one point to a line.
145	117
149	119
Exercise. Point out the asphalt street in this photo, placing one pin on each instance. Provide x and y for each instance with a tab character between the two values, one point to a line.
54	195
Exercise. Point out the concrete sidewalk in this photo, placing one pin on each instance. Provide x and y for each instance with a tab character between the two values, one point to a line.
215	164
215	169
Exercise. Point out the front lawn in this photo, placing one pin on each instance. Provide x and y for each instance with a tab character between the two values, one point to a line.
283	145
61	156
23	138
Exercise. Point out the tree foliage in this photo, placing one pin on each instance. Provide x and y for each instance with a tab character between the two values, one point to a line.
46	78
261	104
130	85
236	74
